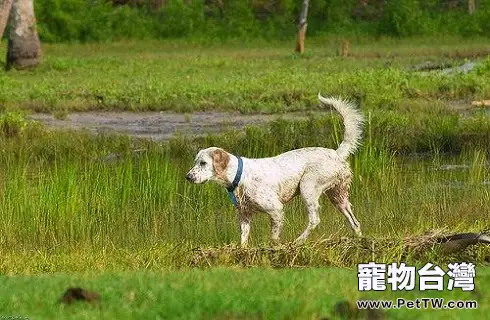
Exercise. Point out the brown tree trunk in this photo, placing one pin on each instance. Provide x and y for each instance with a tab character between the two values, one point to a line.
471	6
5	6
300	44
24	47
344	49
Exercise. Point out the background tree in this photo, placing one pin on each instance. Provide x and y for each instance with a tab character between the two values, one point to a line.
5	6
300	44
471	6
24	47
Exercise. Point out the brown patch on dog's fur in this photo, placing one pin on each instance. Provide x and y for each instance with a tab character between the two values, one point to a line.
221	159
288	189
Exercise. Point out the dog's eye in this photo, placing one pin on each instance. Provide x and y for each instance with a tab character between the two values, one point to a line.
202	163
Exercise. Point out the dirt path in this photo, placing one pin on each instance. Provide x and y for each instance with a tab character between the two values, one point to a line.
159	125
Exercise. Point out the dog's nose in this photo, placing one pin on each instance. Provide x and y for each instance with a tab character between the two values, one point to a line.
188	177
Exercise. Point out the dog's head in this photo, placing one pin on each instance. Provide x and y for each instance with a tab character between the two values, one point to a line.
209	164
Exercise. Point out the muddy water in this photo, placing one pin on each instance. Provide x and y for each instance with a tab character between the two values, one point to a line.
164	125
160	125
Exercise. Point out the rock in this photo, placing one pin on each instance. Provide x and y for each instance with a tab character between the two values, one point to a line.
465	68
460	241
481	103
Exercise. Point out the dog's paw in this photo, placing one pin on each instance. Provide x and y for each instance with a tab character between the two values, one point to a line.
243	245
276	243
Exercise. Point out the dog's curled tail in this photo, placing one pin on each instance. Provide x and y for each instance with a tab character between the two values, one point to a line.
353	121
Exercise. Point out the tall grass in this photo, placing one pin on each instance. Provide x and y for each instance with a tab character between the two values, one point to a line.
61	190
74	201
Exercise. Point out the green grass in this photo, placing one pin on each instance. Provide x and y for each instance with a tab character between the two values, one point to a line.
219	294
133	229
254	77
62	203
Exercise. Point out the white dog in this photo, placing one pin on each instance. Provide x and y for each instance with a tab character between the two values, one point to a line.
267	184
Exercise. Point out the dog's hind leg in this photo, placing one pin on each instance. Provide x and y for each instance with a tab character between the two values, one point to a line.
310	192
339	195
346	209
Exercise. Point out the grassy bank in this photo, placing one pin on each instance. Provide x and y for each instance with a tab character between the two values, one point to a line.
253	77
222	294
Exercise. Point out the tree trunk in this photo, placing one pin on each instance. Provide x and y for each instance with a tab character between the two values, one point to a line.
344	49
300	44
24	47
5	6
471	6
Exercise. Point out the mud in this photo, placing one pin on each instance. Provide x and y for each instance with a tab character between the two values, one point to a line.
160	125
164	125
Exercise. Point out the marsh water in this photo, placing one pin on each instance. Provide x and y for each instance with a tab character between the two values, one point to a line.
449	171
160	125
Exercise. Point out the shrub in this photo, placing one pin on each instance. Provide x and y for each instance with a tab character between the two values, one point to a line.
100	20
12	124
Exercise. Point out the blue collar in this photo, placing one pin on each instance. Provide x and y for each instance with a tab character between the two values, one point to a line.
235	182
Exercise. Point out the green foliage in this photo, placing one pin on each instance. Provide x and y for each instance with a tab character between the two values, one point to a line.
239	19
82	20
178	19
403	18
99	20
484	67
12	124
334	16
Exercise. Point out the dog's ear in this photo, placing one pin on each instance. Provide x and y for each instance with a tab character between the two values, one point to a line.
220	161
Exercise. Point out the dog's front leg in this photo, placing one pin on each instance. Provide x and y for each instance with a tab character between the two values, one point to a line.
244	218
277	221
